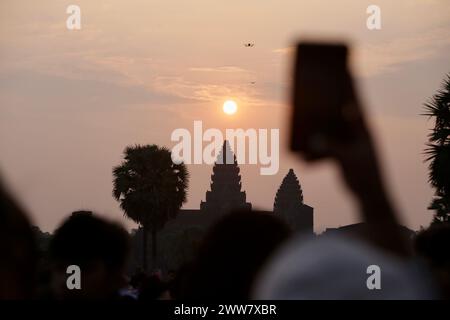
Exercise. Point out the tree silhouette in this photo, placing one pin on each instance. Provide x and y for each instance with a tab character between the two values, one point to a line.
151	189
438	152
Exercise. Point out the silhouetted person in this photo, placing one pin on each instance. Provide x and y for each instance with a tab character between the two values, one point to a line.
177	287
433	245
152	288
18	251
100	248
171	274
137	279
231	255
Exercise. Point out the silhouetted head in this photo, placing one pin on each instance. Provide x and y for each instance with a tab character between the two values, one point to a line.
18	251
232	253
98	247
171	274
432	244
152	288
137	279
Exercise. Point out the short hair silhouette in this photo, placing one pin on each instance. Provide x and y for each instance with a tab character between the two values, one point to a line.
232	253
18	250
152	288
86	240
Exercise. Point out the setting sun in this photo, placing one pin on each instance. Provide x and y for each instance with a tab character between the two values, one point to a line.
230	107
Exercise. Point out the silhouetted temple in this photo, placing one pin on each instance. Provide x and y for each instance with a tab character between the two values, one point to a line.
289	204
226	194
361	229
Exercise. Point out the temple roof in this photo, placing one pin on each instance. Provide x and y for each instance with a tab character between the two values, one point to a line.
289	193
225	193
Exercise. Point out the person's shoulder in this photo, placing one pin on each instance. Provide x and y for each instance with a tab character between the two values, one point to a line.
337	267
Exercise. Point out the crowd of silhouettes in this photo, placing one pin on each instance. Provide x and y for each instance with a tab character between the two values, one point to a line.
233	261
244	255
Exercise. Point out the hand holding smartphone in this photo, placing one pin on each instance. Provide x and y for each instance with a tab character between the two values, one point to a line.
327	122
325	109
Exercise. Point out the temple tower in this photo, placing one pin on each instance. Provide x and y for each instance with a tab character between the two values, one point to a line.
225	194
289	204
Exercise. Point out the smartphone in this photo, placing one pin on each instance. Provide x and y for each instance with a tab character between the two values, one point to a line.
322	99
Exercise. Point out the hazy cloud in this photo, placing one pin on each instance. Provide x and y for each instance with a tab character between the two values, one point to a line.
218	69
388	56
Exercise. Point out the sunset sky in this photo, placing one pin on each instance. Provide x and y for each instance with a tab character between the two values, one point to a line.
71	101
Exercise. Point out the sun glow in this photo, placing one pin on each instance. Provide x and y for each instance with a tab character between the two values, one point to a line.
230	107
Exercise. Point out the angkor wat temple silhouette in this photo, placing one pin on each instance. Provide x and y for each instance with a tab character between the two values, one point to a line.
226	194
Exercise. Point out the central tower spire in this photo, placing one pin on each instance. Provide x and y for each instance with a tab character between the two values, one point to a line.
225	194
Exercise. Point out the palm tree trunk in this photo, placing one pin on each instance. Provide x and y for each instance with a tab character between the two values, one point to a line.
144	247
154	252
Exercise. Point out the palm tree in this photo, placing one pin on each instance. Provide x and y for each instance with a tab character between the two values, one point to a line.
151	189
438	152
